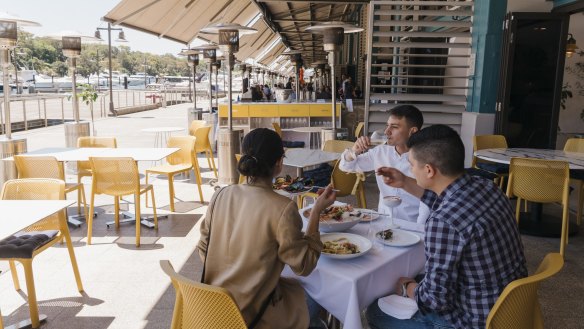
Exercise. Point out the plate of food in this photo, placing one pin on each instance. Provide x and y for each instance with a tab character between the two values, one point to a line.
336	218
289	185
344	245
397	238
367	215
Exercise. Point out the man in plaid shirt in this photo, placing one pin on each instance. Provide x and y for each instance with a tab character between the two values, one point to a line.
472	245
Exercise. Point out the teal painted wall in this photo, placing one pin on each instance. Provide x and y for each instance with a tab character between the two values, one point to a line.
558	3
486	44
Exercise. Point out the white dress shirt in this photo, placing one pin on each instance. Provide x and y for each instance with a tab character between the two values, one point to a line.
411	214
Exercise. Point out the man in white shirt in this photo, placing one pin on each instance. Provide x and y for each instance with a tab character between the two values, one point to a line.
404	120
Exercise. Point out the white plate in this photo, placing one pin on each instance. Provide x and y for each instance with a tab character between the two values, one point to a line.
362	243
332	225
400	239
367	215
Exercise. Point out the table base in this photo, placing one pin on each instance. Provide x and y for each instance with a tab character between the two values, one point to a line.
131	218
26	323
546	226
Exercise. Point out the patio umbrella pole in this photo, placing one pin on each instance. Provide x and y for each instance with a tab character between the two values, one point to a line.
333	92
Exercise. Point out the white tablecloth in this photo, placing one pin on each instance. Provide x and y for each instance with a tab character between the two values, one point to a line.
346	287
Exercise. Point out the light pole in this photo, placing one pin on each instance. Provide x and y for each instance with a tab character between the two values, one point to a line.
210	56
333	38
193	61
230	144
121	38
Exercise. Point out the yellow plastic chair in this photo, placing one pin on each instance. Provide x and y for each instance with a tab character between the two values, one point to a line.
83	167
577	145
118	177
202	143
201	306
48	167
337	146
1	322
518	305
241	177
359	129
541	181
38	189
277	128
481	142
179	162
196	124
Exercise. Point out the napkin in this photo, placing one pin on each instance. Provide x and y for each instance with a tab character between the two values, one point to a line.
398	307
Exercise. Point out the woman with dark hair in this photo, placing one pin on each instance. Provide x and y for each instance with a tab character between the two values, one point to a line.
250	232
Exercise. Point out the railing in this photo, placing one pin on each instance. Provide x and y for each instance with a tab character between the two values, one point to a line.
41	110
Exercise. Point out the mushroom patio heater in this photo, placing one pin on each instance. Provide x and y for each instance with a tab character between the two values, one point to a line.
209	56
296	59
333	37
217	67
71	41
9	146
193	61
229	141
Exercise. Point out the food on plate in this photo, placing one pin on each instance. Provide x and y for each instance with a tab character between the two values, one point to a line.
290	184
337	213
385	235
340	246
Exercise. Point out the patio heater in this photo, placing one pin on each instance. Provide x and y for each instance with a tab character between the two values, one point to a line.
217	67
71	41
209	56
229	141
193	61
333	38
8	145
296	59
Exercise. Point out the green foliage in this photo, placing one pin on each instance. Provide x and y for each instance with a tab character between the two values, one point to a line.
88	94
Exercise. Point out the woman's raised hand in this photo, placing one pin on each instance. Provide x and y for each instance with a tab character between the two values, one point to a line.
326	198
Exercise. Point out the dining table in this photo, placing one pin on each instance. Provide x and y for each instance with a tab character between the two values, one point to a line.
18	215
302	158
534	222
310	135
345	287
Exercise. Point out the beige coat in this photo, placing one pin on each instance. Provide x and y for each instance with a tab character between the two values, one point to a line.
254	233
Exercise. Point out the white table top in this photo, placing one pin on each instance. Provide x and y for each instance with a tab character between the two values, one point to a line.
18	214
346	287
83	154
301	158
504	155
162	129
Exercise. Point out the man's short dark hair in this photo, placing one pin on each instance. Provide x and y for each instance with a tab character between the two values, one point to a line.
412	114
440	146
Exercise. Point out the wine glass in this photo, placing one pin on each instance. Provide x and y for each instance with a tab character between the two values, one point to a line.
391	201
374	228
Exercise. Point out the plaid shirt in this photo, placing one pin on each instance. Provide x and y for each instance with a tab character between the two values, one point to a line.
473	250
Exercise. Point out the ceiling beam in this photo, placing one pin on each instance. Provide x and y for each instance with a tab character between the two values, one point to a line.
312	20
322	1
296	11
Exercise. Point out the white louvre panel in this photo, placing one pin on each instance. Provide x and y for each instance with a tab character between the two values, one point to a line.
427	3
418	97
419	55
466	24
458	12
420	45
421	34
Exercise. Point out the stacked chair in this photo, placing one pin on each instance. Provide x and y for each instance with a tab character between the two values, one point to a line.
577	176
200	130
481	142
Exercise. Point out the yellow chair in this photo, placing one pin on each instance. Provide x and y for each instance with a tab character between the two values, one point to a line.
277	128
577	176
359	129
541	181
481	142
48	167
179	162
38	189
337	146
196	124
83	167
118	177
518	305
1	322
202	143
200	306
241	177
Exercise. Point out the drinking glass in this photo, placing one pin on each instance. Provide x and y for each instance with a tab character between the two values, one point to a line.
374	227
391	201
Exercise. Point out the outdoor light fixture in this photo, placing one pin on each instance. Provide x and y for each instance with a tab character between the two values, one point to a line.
193	61
8	37
229	34
209	56
333	37
572	47
121	38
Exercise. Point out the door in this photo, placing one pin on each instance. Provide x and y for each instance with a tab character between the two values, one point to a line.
532	66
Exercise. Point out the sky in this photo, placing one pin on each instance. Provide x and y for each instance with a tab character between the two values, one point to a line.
83	16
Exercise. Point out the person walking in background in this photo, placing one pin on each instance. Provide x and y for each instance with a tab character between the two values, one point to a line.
348	93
